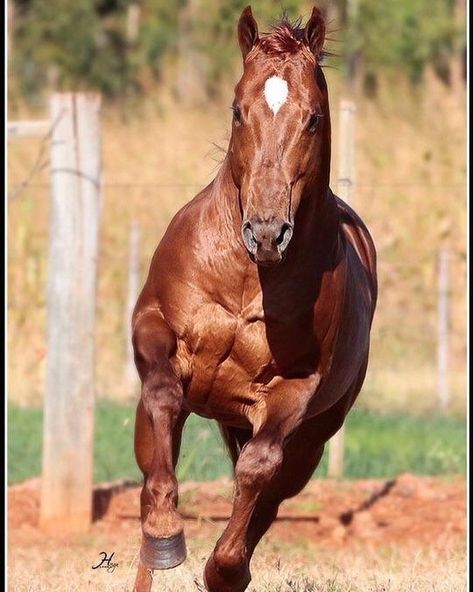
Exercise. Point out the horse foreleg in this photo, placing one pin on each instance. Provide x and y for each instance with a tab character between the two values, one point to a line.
227	569
159	421
272	466
302	455
294	475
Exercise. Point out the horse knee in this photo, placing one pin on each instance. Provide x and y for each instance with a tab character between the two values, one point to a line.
162	392
259	461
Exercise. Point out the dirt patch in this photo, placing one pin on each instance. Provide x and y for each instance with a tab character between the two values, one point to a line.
348	536
408	510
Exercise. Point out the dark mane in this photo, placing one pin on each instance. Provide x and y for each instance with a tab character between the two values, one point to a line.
284	38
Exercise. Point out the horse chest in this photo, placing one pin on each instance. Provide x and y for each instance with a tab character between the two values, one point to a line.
225	357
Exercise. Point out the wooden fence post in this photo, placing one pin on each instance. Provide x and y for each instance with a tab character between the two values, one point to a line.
346	151
133	286
67	477
133	16
346	168
442	345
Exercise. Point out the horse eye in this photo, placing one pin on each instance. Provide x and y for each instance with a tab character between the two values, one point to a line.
236	114
314	122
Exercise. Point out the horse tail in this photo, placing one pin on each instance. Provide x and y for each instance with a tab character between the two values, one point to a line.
235	439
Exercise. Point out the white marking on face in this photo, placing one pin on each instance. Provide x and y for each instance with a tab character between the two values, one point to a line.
275	93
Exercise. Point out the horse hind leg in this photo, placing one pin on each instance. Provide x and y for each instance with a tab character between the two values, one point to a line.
159	421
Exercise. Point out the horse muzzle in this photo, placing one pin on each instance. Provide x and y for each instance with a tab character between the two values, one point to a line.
266	240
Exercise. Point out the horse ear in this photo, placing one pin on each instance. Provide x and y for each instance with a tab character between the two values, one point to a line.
314	32
247	31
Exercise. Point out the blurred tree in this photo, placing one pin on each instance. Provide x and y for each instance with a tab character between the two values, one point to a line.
66	36
80	44
117	46
404	35
457	69
157	35
189	87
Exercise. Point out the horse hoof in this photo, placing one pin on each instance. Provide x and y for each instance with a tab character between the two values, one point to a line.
163	553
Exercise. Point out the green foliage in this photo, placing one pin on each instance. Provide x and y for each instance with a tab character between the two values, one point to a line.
402	34
384	445
24	443
376	446
60	36
81	44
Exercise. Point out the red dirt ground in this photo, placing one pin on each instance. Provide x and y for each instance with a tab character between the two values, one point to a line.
408	510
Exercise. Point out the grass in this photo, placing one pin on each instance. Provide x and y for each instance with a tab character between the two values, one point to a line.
377	445
60	568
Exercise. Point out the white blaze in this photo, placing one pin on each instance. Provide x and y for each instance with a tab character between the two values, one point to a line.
275	93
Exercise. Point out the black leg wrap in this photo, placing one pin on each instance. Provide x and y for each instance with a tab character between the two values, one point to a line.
163	553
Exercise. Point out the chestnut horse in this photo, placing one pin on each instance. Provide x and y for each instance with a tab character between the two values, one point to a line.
256	311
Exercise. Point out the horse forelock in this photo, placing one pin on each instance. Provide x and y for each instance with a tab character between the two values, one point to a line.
285	38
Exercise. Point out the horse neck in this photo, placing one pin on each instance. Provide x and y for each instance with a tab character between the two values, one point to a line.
225	204
316	227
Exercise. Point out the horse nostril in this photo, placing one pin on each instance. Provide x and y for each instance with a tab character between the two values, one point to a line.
280	238
249	238
284	236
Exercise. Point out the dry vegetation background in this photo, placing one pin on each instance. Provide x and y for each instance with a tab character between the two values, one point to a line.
410	190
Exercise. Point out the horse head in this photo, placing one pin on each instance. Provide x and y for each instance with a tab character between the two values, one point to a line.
280	143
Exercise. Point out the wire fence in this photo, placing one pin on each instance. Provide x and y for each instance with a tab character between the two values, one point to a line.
402	370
